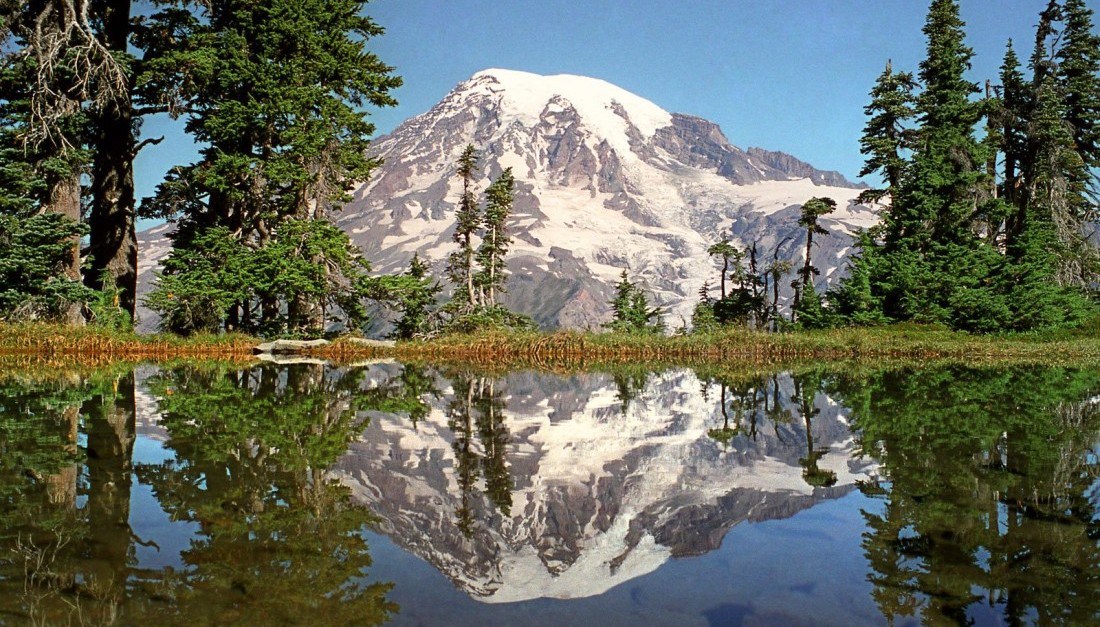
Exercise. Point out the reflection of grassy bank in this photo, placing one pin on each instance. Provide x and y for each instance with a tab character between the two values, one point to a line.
907	343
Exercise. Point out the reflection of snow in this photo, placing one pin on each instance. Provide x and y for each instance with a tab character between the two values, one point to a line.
601	495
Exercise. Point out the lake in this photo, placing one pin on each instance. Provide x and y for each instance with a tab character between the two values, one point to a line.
259	494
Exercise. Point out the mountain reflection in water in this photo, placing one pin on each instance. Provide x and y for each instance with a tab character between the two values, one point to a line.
208	494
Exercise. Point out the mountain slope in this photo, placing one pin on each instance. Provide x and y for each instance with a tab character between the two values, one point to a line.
606	180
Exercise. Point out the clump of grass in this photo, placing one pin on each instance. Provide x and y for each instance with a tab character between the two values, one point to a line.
47	341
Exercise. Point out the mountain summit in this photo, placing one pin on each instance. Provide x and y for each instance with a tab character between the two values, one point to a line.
606	181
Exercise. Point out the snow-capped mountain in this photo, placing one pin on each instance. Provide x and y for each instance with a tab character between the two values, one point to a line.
599	492
606	181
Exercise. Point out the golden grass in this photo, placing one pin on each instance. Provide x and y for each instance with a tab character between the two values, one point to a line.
90	345
574	350
902	343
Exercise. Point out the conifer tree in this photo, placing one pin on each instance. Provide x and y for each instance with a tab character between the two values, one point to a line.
275	92
727	253
1012	113
812	211
494	238
631	311
1078	70
885	137
468	221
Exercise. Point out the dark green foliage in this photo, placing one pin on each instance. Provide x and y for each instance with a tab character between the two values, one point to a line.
200	279
468	221
489	279
1078	72
965	245
413	294
34	252
275	92
885	137
727	253
812	211
206	275
631	311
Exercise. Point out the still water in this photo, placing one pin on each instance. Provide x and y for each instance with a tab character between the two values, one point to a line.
311	494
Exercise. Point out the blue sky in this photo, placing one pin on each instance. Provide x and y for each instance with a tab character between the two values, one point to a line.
790	75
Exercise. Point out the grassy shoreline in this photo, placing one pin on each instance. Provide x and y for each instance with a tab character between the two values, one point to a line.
907	343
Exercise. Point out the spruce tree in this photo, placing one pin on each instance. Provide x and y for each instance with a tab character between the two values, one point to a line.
1078	71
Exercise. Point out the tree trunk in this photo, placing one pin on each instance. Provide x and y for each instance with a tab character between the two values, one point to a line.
113	241
64	198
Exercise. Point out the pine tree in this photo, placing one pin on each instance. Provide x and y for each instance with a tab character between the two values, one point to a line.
468	221
495	240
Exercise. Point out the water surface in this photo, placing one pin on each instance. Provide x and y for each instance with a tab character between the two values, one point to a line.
310	494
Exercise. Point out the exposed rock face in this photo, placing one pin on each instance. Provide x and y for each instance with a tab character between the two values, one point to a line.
599	492
606	180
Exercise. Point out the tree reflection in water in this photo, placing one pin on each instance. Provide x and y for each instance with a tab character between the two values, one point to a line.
987	503
991	492
477	409
274	542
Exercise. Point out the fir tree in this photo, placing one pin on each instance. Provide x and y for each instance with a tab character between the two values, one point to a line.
1078	71
468	221
495	240
812	211
885	137
631	311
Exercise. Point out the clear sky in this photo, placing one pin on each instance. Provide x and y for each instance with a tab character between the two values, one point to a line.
790	75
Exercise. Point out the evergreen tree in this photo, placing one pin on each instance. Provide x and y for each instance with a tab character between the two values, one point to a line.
727	253
468	221
413	293
1078	71
274	91
812	211
631	311
495	240
885	137
1012	113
